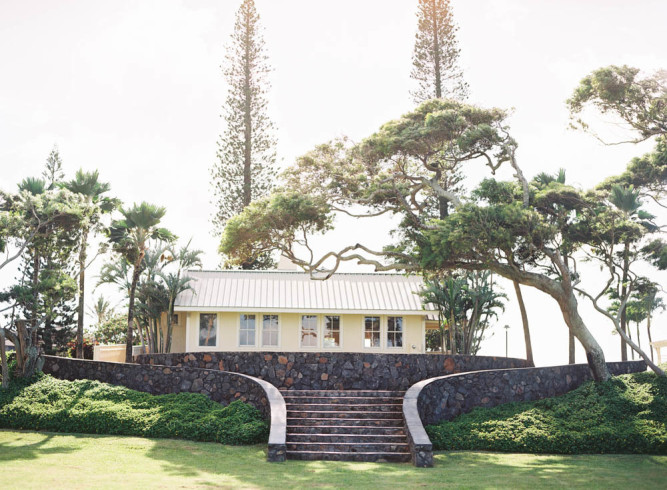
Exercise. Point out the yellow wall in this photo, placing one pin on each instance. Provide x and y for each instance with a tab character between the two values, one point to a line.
289	338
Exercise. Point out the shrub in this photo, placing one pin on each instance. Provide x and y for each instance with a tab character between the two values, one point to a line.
627	414
92	407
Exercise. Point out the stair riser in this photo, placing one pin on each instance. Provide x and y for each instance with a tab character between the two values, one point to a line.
383	457
325	414
340	407
346	438
361	400
344	393
356	430
347	448
331	421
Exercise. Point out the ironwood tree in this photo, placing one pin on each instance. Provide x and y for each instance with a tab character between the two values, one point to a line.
246	157
513	228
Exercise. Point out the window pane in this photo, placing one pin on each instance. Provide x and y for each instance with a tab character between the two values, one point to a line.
331	331
247	330
395	331
207	329
270	330
372	331
309	330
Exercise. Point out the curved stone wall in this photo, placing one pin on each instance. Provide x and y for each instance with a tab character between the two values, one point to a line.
334	370
220	386
445	397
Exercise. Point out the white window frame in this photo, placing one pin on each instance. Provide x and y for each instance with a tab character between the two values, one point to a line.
340	332
261	340
317	332
386	333
363	332
217	329
238	332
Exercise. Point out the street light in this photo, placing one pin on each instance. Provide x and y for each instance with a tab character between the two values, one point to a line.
507	327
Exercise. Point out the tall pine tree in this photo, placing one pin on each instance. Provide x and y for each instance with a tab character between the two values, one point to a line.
435	61
246	157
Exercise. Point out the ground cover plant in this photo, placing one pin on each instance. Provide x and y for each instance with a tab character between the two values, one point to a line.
627	414
92	407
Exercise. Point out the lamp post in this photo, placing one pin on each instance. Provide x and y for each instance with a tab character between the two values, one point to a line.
507	328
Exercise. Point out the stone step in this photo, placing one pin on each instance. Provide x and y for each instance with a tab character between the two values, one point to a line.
345	429
378	457
343	393
340	407
342	414
347	400
331	421
347	438
343	447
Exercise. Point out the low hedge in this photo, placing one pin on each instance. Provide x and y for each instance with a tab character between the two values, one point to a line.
627	414
91	407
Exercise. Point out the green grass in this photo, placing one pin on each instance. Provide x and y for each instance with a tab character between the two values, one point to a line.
92	407
627	414
35	460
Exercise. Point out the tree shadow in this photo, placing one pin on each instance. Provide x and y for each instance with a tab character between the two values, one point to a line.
15	448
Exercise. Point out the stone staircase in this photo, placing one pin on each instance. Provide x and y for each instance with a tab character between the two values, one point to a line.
346	425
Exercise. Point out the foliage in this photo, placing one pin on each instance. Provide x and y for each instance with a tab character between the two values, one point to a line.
626	414
466	304
113	330
246	156
435	61
88	349
98	408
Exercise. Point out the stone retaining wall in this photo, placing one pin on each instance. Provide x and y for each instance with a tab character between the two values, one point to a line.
449	396
220	386
443	398
334	370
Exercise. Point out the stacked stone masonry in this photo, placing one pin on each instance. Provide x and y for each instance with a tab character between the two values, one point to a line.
334	370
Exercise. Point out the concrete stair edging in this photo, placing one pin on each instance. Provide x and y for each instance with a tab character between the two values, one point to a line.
448	395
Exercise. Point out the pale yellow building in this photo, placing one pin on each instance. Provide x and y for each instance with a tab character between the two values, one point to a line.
288	311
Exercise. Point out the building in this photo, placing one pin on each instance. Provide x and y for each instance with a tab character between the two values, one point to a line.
288	311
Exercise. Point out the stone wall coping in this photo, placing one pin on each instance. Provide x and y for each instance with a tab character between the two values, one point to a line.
277	444
420	444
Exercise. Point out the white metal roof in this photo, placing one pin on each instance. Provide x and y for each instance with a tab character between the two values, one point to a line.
290	291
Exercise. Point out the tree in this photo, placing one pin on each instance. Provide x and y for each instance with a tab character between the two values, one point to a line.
53	173
435	61
88	185
513	229
246	156
129	237
25	219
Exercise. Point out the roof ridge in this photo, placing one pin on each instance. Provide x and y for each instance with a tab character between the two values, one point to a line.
242	271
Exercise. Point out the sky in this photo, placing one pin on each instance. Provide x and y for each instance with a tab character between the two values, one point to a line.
134	89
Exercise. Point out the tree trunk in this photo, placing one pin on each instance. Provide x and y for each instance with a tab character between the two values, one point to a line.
3	360
82	281
650	340
28	355
571	356
624	292
130	313
594	353
170	326
524	321
436	53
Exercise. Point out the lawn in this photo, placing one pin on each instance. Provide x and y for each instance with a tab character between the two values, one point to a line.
38	459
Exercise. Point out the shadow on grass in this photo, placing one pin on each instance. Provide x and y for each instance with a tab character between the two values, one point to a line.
16	448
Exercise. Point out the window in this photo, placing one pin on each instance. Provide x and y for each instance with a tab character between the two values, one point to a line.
174	319
395	331
247	330
372	331
208	329
331	331
270	331
308	330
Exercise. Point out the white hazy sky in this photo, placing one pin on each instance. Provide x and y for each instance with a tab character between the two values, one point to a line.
134	89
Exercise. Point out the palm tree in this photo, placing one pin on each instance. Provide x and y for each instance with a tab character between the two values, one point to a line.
130	237
626	200
89	186
177	283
